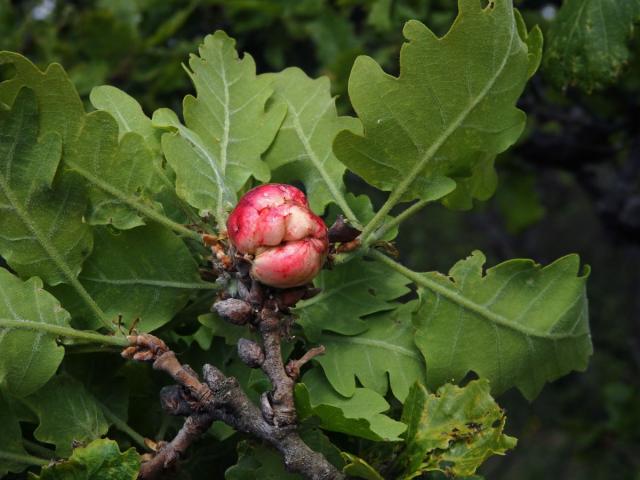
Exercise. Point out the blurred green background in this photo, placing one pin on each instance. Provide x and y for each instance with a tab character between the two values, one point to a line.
572	184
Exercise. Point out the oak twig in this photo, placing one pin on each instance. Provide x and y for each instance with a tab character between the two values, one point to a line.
221	398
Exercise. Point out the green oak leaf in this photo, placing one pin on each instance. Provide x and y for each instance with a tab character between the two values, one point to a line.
383	355
130	117
127	112
59	104
587	42
61	111
10	438
41	227
350	292
29	358
99	460
67	412
468	321
302	150
360	415
451	110
227	126
454	430
146	273
119	173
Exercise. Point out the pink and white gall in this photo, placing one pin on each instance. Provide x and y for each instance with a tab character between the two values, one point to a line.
289	242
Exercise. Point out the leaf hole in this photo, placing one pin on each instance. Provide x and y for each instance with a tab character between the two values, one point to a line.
487	4
7	71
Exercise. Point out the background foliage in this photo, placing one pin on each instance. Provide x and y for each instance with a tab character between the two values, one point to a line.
572	184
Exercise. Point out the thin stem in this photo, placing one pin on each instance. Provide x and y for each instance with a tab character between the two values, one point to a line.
38	449
123	426
406	213
88	299
145	210
72	348
162	431
24	459
63	331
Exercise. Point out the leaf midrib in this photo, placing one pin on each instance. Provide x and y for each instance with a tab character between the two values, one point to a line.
132	202
152	283
370	342
53	253
469	305
319	166
406	182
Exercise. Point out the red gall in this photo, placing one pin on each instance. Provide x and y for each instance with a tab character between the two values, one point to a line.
289	242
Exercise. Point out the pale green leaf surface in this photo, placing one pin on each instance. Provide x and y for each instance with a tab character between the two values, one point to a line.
587	42
361	415
127	112
29	358
452	106
10	438
146	273
121	174
66	412
60	106
200	179
383	355
302	150
228	126
350	291
454	430
100	460
518	324
41	229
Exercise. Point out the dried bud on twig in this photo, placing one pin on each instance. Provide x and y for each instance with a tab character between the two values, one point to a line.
234	310
250	353
342	232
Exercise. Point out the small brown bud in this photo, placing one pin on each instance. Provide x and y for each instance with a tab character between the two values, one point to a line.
342	232
212	376
250	353
234	310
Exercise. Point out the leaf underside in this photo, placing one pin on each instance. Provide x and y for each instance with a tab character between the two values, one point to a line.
226	127
302	149
350	292
517	325
385	355
41	227
451	110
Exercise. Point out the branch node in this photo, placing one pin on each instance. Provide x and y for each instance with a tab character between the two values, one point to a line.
294	366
